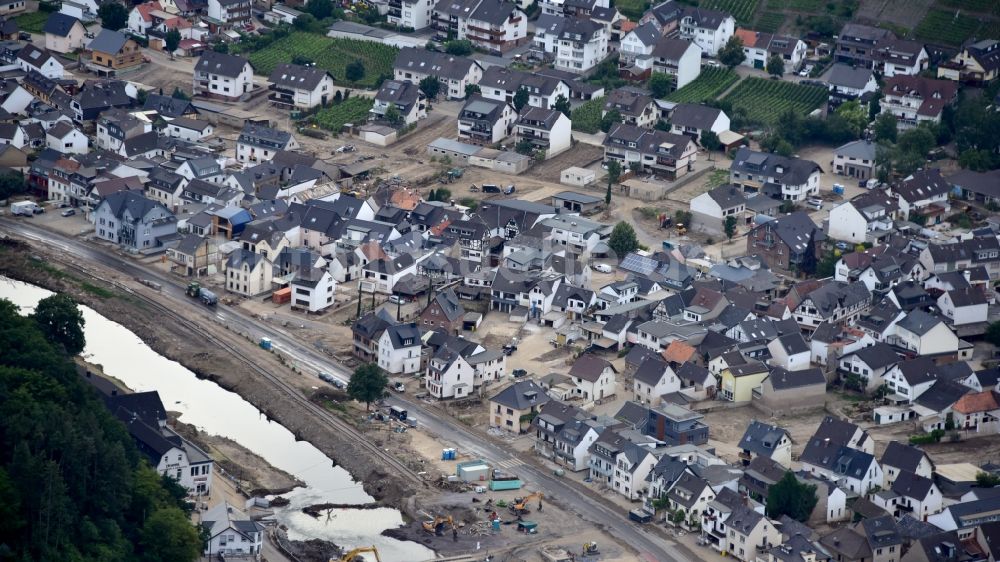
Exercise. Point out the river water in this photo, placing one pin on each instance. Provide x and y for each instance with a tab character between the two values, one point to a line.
216	411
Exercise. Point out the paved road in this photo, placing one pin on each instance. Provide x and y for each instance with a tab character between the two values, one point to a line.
568	494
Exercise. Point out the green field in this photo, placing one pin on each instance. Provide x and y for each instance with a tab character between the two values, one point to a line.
946	26
632	9
352	110
707	86
587	116
797	5
763	101
32	21
770	22
742	10
330	54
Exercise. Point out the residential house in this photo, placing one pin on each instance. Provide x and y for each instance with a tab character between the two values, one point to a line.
258	144
444	312
779	177
676	425
914	99
383	274
133	222
406	97
869	365
223	76
708	29
857	44
450	19
501	84
485	121
785	391
410	14
789	352
11	7
248	273
564	433
657	152
637	45
496	26
675	57
547	130
192	256
855	159
653	379
114	51
789	243
900	458
901	57
580	45
230	13
294	85
449	374
749	533
711	210
312	290
867	218
632	465
761	440
513	408
634	107
690	495
63	33
32	59
695	120
452	72
367	331
910	494
849	83
759	47
191	130
978	412
399	349
231	533
925	334
983	187
857	471
594	378
738	382
975	63
924	193
833	302
964	306
978	251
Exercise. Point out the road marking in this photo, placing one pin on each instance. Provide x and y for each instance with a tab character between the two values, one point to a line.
510	463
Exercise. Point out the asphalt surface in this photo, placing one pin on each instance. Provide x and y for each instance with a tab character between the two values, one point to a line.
569	495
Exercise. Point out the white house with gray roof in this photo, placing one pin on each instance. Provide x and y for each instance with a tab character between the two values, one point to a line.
779	177
454	73
399	349
31	58
676	57
132	221
484	120
545	129
231	532
501	84
632	465
848	83
764	440
709	29
694	119
710	210
406	97
855	159
653	379
222	76
257	144
638	44
248	273
294	85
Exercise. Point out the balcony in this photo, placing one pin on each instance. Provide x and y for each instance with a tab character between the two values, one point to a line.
485	31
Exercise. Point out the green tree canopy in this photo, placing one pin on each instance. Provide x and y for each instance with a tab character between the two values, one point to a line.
660	84
12	183
614	173
710	141
472	89
885	128
854	115
61	321
320	9
562	105
458	47
520	99
623	240
168	535
113	16
430	86
367	384
730	227
609	120
731	54
993	333
355	71
172	40
392	115
775	65
792	498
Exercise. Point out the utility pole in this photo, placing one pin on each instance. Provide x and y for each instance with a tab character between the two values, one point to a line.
360	296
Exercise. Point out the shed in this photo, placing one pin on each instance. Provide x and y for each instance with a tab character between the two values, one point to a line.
577	202
576	176
471	321
473	471
282	296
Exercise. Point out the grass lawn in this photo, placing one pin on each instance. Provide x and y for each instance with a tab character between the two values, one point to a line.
330	54
763	100
707	86
32	21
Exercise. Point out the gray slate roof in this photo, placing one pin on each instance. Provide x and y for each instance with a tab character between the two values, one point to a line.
221	63
108	41
521	395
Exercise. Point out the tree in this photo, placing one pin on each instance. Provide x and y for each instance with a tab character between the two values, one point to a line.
775	65
524	146
855	116
731	54
827	266
307	22
682	217
472	89
367	384
355	70
172	40
61	321
113	16
520	98
609	120
320	9
730	227
430	86
660	84
459	48
987	480
885	128
790	497
993	333
562	104
168	536
614	172
12	183
220	47
440	194
178	94
710	141
784	148
392	115
623	240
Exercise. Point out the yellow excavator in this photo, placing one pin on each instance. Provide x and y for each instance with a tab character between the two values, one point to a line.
437	525
350	556
520	505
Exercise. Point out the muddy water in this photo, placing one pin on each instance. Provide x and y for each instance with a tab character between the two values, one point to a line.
216	411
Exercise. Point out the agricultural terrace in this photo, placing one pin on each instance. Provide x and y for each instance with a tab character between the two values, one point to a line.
351	110
332	54
770	22
763	101
952	27
587	116
707	86
742	10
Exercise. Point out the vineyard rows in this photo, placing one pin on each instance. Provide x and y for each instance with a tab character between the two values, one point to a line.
352	110
763	101
707	86
332	54
742	10
587	116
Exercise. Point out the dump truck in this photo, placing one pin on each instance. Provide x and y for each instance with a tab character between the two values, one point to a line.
195	290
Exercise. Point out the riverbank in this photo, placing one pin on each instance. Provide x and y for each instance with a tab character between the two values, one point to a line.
35	264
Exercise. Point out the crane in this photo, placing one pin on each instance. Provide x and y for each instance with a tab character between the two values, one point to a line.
437	525
520	505
350	556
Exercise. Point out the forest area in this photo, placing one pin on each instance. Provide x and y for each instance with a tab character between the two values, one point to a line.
73	486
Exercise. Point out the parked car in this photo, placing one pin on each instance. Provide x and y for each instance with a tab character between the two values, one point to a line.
510	189
69	212
603	268
399	387
806	70
326	377
491	188
518	373
24	36
396	299
815	203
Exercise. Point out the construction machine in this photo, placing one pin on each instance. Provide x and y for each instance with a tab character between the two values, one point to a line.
681	229
350	556
520	505
437	525
590	549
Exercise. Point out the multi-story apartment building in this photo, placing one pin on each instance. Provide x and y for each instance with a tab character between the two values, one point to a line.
658	152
